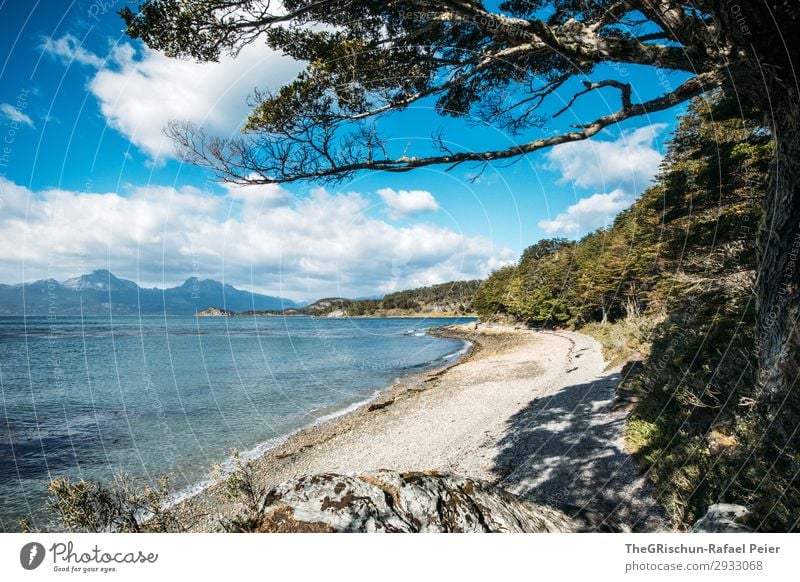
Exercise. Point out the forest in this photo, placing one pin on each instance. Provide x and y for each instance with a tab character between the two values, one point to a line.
453	298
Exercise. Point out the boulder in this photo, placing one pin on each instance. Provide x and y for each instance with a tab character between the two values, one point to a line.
723	518
388	501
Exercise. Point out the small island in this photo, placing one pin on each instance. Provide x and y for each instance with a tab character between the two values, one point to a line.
215	312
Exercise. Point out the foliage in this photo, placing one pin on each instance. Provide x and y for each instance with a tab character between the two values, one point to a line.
455	297
491	297
456	294
84	506
671	281
688	429
625	340
698	221
243	486
121	506
508	65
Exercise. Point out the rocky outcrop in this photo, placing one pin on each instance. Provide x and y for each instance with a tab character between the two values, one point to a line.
215	312
326	303
388	501
723	518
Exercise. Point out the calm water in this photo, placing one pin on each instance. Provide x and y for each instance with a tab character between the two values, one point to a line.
154	395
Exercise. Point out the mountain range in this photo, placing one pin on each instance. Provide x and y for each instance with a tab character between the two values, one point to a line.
102	293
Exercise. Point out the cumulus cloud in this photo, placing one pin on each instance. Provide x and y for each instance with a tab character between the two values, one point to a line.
630	161
141	90
324	243
406	203
69	49
587	214
258	197
13	114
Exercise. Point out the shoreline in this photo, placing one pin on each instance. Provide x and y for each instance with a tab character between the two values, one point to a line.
490	415
415	315
186	500
381	398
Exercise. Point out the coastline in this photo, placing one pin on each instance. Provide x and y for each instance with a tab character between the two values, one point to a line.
487	415
217	312
382	397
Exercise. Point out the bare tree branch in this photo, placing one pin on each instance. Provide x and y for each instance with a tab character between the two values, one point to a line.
625	90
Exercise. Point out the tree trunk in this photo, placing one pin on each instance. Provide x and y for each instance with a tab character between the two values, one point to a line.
764	64
769	80
779	276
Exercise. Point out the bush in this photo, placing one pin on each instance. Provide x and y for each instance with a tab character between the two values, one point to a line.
85	506
243	486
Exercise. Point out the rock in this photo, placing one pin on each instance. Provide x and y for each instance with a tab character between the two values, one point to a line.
379	405
215	312
388	501
723	518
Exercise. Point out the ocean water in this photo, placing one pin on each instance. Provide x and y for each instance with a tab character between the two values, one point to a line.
159	395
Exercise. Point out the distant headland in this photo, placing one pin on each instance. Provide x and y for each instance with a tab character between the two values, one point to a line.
444	300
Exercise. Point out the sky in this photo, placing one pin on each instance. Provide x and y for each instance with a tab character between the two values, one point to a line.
88	180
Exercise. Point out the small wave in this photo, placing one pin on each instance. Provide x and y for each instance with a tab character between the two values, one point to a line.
459	353
326	417
226	468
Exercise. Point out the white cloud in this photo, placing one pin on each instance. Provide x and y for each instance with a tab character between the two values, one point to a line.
13	114
68	49
406	203
630	161
308	247
140	91
588	214
255	198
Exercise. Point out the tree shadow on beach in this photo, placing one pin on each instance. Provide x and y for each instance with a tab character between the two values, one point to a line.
566	450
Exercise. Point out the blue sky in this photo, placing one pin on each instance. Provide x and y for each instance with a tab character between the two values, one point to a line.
87	179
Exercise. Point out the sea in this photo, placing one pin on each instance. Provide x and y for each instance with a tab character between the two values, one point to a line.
93	397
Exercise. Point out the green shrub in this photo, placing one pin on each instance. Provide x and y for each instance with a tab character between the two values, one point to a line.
244	487
85	506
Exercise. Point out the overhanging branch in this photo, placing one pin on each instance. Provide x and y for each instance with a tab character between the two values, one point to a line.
237	161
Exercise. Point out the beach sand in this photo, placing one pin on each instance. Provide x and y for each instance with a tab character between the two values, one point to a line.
530	411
